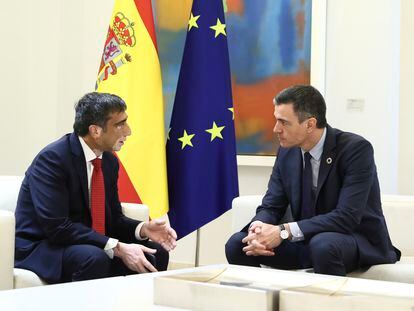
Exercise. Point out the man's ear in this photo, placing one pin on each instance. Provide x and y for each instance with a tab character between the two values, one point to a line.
95	131
311	124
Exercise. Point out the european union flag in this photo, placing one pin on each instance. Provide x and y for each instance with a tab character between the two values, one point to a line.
201	151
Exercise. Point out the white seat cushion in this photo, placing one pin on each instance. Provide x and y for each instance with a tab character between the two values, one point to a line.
6	249
135	211
26	278
9	191
402	271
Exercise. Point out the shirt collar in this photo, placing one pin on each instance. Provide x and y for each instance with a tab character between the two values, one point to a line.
316	151
87	151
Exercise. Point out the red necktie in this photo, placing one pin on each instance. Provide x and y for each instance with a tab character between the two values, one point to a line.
98	197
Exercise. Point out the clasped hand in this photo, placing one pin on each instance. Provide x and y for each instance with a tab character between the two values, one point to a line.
161	232
261	239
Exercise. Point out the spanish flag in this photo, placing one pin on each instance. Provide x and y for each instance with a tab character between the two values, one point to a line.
130	68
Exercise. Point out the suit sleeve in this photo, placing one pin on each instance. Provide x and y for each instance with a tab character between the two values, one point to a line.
274	202
50	196
122	227
358	169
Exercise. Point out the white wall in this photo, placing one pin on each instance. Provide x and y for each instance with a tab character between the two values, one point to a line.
51	55
362	62
406	131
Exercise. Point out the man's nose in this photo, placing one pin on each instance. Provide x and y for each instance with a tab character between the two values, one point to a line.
128	130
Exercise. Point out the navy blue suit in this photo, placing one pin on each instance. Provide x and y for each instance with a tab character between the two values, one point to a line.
347	203
53	211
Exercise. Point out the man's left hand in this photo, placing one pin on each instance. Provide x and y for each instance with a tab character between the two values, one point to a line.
161	232
262	239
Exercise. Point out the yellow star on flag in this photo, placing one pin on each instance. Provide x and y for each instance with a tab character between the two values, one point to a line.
186	140
215	131
192	22
232	111
168	133
219	28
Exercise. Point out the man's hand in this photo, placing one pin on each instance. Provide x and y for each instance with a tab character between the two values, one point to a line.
256	227
133	256
159	231
262	239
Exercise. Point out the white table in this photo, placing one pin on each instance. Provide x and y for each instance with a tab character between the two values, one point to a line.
133	292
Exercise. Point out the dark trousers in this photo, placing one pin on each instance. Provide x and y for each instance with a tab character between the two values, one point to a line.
87	262
328	253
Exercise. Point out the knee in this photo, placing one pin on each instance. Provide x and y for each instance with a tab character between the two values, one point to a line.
95	264
96	257
161	256
323	247
234	247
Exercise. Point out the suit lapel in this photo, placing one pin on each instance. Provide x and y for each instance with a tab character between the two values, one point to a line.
80	166
327	159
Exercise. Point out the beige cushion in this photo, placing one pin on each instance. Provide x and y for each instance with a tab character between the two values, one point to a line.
6	249
399	215
135	211
243	210
402	271
9	190
26	278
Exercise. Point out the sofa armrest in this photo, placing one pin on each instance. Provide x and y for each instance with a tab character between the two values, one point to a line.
7	230
399	215
243	209
135	211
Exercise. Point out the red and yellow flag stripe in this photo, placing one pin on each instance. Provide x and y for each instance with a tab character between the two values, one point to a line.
130	68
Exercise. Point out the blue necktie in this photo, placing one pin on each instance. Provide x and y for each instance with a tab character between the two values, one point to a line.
307	204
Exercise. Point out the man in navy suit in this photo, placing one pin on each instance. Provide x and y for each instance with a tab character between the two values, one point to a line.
67	229
329	180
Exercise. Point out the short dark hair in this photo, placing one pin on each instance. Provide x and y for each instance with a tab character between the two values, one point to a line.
95	108
307	102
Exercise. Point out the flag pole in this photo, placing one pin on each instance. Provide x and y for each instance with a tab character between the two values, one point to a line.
197	248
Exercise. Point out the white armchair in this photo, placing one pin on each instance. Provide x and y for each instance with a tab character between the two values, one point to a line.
11	277
399	214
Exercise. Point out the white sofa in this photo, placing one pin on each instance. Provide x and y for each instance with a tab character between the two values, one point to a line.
399	215
11	277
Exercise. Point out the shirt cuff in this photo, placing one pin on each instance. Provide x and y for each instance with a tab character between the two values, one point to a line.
297	234
137	232
109	247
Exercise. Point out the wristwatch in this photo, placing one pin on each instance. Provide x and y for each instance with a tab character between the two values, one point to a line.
284	234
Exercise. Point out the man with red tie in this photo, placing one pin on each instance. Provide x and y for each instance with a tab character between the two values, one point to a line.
69	223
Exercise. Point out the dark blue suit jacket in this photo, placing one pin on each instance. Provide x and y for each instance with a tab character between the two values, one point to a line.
53	208
347	196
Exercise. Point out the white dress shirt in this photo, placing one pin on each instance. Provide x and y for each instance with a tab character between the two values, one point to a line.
89	156
316	154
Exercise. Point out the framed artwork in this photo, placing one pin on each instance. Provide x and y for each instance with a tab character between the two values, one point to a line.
272	44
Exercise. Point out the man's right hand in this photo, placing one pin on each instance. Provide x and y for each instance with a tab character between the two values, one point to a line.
133	256
261	239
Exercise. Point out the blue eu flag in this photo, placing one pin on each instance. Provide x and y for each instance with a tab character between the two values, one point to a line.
201	151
